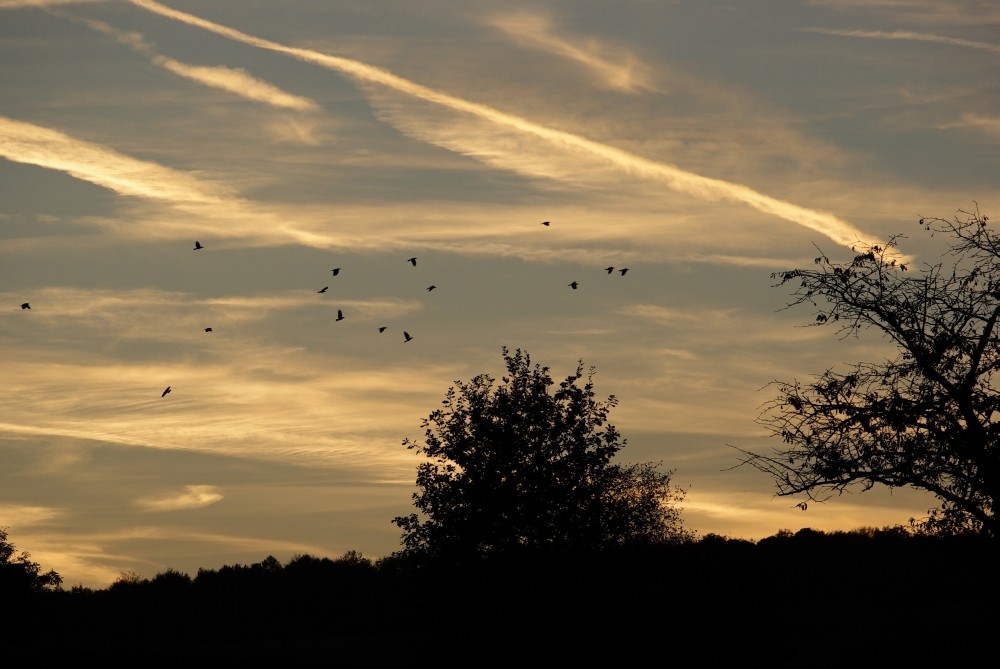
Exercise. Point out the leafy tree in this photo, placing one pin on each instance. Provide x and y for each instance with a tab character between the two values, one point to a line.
927	418
513	466
30	571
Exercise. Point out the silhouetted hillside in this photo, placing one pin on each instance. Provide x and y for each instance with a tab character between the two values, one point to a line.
863	598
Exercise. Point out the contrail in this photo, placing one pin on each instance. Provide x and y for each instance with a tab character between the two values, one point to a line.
911	36
227	79
36	145
674	177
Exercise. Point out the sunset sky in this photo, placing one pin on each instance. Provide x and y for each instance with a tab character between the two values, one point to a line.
701	144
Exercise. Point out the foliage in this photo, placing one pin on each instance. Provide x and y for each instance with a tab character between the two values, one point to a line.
566	609
30	572
926	418
513	467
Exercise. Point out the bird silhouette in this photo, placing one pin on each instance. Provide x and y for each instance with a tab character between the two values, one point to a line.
623	270
573	285
430	288
545	223
335	270
25	306
208	329
609	270
340	315
406	336
412	261
382	329
164	394
197	246
323	289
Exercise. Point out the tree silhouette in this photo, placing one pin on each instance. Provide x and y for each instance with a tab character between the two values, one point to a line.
22	571
513	467
926	418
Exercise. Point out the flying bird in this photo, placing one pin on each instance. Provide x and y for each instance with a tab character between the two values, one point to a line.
623	270
382	329
545	223
412	261
573	285
197	246
406	336
323	289
165	392
208	329
609	270
340	315
335	270
430	288
25	306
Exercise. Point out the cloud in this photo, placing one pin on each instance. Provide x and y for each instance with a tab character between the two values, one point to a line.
192	497
975	13
36	145
909	36
17	4
125	347
758	515
236	81
16	515
615	68
988	125
571	147
239	82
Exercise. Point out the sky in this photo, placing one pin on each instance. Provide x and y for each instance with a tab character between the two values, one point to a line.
701	144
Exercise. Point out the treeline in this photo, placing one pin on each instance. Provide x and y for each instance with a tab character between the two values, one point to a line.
879	596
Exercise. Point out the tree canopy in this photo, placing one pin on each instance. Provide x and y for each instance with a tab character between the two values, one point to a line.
22	570
927	418
512	466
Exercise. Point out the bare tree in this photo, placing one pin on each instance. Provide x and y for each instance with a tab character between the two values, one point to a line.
927	418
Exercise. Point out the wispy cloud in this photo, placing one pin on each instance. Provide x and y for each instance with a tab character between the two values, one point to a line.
571	145
192	497
236	81
754	516
15	4
976	13
615	68
988	125
909	36
23	514
36	145
147	340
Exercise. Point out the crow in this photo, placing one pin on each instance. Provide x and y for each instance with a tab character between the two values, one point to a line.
412	261
573	285
340	315
208	329
25	306
623	270
545	223
335	270
382	329
165	392
323	289
609	270
406	336
197	246
430	288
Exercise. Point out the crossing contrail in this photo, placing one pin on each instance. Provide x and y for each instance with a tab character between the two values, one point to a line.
909	36
680	180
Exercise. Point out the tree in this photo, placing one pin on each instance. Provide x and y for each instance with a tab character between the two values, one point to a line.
19	567
513	467
927	418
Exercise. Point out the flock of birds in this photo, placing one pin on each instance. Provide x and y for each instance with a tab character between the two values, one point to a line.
340	314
